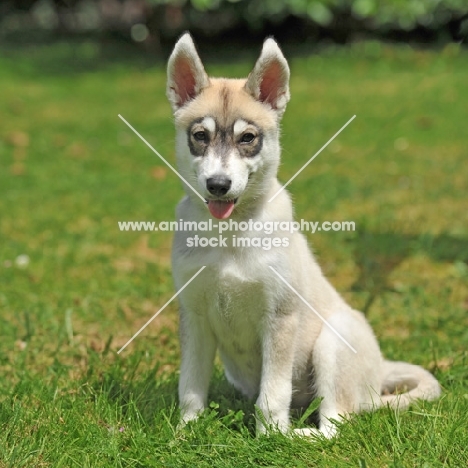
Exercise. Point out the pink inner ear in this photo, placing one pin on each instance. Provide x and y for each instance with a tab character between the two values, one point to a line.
270	87
184	79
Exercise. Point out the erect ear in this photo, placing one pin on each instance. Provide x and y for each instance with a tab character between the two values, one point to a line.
269	80
186	76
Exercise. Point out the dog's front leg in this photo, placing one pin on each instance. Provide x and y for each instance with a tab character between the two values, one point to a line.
198	347
277	367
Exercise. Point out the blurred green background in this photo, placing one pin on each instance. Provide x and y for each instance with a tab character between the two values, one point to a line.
74	289
154	22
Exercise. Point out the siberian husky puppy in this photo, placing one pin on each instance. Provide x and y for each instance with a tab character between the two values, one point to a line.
284	334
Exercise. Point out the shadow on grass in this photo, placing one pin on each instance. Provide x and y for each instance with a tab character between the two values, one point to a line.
147	392
378	254
49	54
72	56
45	54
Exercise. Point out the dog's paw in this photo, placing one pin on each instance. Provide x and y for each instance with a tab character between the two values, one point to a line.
186	418
311	432
307	432
271	421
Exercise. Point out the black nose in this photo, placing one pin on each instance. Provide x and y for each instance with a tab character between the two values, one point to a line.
218	185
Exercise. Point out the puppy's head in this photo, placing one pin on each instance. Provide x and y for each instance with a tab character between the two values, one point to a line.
227	130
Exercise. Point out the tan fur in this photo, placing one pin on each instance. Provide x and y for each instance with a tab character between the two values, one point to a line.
228	100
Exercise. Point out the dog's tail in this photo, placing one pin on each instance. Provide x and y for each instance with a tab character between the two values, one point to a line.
403	383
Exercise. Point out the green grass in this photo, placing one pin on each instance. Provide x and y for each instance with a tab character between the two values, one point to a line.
70	169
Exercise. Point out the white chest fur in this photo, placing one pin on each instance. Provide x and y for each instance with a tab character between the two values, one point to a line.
233	296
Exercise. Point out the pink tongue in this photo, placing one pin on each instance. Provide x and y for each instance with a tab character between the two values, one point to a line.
220	209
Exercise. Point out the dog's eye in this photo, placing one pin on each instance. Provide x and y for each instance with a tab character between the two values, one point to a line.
199	136
247	138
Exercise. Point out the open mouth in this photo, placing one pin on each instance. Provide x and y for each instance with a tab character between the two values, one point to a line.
221	209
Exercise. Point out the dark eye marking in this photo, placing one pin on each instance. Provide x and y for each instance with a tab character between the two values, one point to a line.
247	138
200	136
197	138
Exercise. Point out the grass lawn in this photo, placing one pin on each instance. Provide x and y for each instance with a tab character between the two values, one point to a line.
74	289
